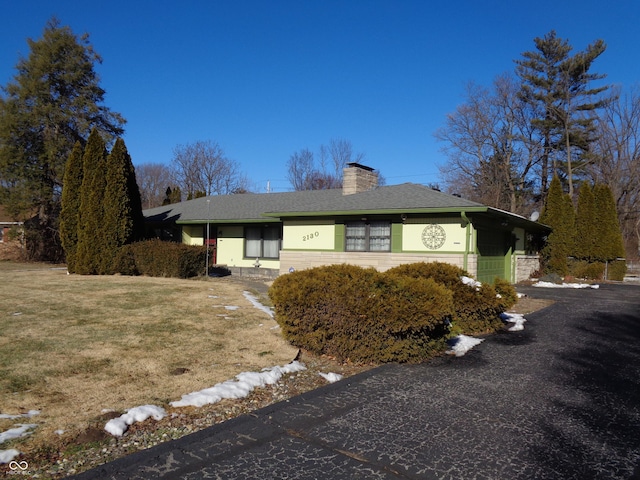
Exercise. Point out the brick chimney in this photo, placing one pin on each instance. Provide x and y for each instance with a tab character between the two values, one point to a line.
358	178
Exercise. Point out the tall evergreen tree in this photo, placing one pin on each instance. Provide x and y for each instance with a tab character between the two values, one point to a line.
558	213
123	221
53	101
557	85
585	244
608	236
91	232
70	212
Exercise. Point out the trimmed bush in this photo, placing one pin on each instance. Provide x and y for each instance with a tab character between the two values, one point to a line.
616	270
508	295
477	309
362	314
444	273
586	270
157	258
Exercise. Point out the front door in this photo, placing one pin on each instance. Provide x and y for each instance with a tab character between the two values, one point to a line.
493	254
212	243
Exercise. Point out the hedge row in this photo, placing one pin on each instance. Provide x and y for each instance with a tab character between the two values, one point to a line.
615	270
402	315
157	258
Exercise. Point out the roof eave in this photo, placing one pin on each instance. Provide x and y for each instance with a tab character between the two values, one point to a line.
227	221
386	211
519	220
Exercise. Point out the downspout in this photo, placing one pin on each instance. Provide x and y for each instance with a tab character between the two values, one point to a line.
465	259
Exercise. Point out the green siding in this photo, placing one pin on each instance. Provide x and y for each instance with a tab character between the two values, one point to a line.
396	237
494	258
339	247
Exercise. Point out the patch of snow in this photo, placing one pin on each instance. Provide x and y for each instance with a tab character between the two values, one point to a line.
21	431
331	377
59	432
7	456
256	303
565	285
240	388
462	344
515	318
117	426
231	307
521	295
471	282
29	414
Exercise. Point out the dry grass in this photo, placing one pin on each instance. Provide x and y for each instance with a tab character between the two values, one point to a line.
71	346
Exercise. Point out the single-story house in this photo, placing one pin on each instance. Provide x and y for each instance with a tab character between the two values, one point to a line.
361	224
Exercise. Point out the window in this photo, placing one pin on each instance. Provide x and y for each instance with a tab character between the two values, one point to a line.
368	236
262	242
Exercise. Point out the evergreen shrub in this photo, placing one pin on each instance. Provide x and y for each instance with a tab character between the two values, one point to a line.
157	258
361	314
476	309
508	295
616	270
586	270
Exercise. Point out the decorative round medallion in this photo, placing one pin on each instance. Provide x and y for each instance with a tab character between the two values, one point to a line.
433	236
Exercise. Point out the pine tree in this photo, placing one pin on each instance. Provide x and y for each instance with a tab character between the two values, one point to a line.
53	101
135	197
585	245
608	236
91	233
123	220
70	202
558	213
557	84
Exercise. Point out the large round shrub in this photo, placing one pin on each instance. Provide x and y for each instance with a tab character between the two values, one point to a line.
476	308
362	314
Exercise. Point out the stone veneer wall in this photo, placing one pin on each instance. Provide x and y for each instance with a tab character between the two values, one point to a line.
379	260
526	265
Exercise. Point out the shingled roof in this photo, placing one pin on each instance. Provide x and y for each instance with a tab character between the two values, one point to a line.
406	197
271	207
244	207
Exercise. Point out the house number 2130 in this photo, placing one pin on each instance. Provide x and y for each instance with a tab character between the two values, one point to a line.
310	236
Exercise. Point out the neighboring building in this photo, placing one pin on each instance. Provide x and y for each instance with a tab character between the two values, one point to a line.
10	245
361	224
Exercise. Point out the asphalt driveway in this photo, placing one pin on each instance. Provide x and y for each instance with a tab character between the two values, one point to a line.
558	400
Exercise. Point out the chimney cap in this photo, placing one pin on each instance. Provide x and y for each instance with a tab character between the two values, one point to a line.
359	165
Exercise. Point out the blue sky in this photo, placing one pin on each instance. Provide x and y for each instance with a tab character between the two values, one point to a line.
265	79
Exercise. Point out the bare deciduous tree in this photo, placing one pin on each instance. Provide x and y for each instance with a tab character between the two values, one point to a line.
305	171
489	144
153	180
203	168
300	168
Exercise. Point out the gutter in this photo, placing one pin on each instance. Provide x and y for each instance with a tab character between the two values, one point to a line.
465	261
382	211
